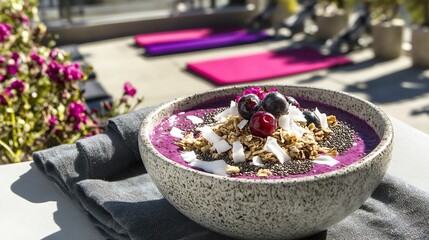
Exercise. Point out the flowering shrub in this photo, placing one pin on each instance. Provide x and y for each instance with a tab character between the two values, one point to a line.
41	104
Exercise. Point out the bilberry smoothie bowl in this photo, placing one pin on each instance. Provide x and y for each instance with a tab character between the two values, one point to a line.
267	162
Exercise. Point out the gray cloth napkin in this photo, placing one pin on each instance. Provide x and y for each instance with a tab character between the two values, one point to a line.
105	175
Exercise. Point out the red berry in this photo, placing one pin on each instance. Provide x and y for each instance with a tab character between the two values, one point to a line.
262	124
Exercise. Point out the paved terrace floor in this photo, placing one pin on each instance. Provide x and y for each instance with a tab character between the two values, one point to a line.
398	88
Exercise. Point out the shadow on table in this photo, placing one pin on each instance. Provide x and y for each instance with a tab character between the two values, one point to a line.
36	188
401	85
422	110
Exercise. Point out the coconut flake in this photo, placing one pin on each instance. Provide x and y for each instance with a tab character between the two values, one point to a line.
288	124
296	114
231	111
272	146
257	161
323	119
188	156
284	122
195	119
298	130
177	133
221	146
326	160
238	152
221	117
172	119
233	108
243	123
210	135
217	167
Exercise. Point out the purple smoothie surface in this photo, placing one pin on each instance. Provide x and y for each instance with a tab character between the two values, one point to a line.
365	136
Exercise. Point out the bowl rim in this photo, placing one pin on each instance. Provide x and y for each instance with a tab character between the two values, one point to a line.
385	140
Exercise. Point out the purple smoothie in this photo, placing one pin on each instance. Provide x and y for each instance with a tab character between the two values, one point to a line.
365	137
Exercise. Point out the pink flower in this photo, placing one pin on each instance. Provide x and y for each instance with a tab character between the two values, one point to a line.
60	72
77	110
52	121
38	59
54	71
5	31
72	72
24	19
18	85
3	100
12	67
129	89
8	91
2	78
15	56
53	53
257	91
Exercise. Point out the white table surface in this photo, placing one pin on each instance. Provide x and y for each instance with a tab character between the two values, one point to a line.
32	207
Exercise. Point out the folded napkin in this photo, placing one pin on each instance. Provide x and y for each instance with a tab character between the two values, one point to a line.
105	175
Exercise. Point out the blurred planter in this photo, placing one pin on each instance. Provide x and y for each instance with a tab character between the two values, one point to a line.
387	39
420	46
330	25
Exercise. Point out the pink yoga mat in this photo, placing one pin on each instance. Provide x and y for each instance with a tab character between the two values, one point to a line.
147	39
266	65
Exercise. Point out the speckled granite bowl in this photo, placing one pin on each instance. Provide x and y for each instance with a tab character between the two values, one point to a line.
269	209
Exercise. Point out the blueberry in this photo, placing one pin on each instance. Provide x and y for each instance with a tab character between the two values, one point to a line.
292	101
275	103
248	105
311	117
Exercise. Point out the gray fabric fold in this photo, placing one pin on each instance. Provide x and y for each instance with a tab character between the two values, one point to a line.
127	127
105	175
396	210
136	208
62	165
106	155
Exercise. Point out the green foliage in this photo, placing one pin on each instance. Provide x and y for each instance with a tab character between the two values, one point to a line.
384	10
419	11
41	104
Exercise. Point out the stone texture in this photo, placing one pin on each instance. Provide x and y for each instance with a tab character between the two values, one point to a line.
270	209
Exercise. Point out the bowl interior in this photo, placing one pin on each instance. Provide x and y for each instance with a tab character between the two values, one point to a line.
360	108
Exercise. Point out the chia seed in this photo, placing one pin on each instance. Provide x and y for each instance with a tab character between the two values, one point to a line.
207	119
341	139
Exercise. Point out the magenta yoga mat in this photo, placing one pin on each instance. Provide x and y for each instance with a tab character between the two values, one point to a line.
148	39
163	43
265	65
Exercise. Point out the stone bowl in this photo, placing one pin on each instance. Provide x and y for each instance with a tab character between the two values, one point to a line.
286	208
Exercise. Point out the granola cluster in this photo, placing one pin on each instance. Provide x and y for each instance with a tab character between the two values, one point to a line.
298	148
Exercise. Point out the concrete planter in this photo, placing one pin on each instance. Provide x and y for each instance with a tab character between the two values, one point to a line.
420	46
387	39
330	25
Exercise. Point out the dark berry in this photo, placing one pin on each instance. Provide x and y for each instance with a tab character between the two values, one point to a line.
292	101
248	105
262	124
275	103
311	117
